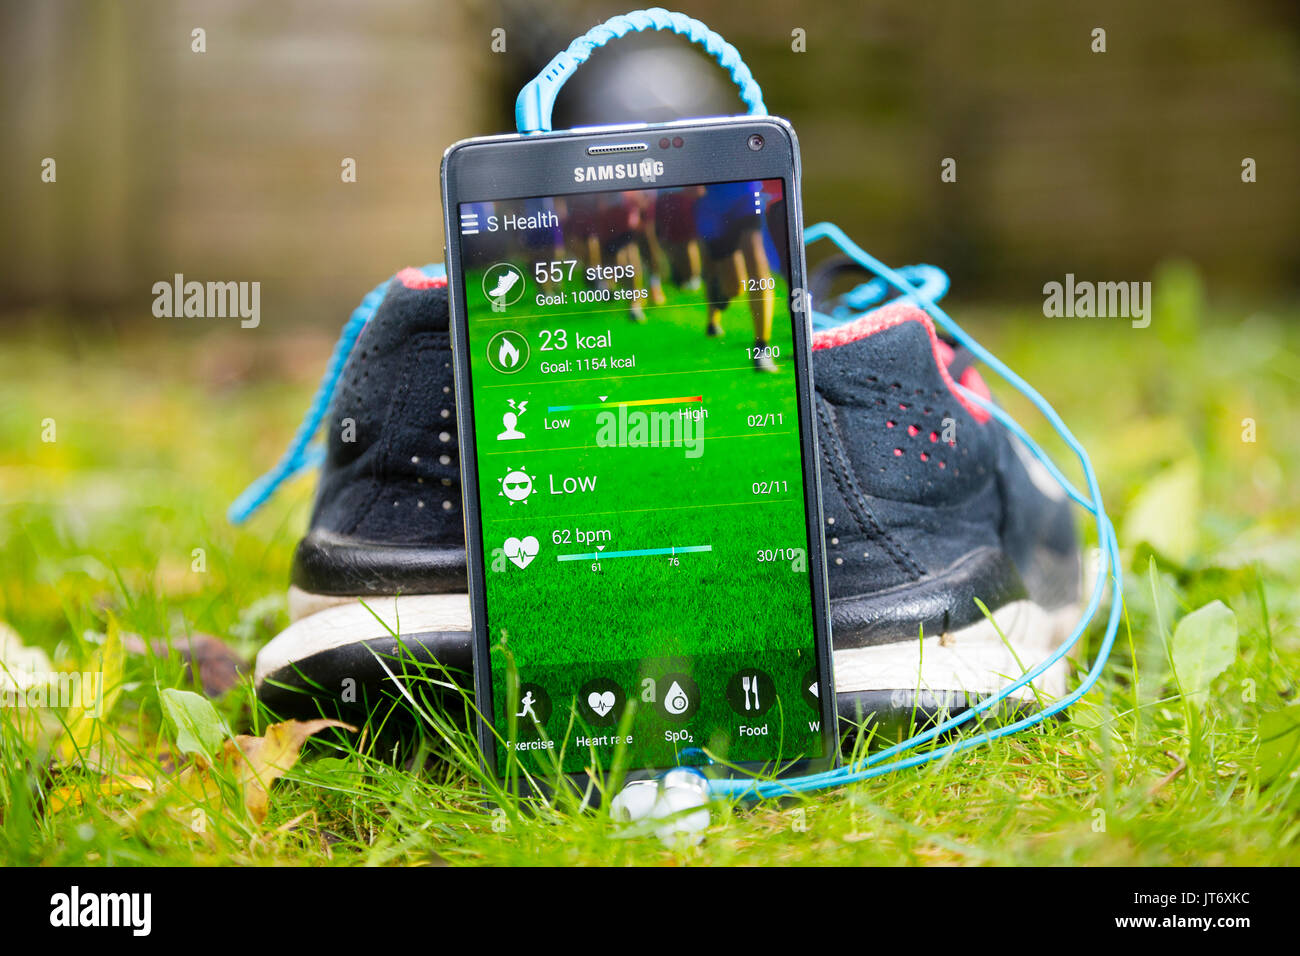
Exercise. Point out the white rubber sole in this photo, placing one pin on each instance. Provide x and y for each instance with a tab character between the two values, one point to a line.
345	620
973	660
305	603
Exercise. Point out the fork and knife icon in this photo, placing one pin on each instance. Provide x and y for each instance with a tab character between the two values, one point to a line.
749	684
750	692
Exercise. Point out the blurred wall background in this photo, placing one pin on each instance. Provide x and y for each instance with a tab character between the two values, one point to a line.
226	164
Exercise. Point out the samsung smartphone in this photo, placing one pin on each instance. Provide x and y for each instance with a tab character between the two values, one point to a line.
638	448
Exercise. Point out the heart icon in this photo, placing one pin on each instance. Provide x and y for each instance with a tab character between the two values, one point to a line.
601	704
521	552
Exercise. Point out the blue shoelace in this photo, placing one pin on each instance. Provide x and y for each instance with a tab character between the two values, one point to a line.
301	453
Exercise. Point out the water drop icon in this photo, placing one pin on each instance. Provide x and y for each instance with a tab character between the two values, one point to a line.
676	701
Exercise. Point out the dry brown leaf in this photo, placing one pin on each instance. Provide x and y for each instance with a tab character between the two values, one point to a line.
255	763
270	757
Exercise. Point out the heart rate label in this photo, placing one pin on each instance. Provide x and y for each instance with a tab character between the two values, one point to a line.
521	550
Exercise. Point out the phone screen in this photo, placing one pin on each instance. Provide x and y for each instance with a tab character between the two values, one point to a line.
637	433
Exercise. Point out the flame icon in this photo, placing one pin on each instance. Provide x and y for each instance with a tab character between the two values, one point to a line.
507	355
508	352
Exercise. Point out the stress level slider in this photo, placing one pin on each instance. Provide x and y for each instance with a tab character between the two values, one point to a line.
641	401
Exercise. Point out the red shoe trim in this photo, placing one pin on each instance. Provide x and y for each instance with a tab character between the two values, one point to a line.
895	314
415	279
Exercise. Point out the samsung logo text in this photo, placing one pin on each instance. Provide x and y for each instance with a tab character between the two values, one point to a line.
647	171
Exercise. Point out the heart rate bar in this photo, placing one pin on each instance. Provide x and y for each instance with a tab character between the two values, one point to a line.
644	552
643	401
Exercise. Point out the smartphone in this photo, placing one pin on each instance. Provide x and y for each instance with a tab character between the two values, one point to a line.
638	449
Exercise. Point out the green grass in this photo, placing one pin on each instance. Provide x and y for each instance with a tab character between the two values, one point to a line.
156	434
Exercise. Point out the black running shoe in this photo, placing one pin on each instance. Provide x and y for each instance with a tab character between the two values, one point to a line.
929	506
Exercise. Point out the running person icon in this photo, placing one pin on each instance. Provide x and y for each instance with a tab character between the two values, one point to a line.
527	704
534	709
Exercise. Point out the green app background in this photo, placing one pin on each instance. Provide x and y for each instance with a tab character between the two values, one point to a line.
706	614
